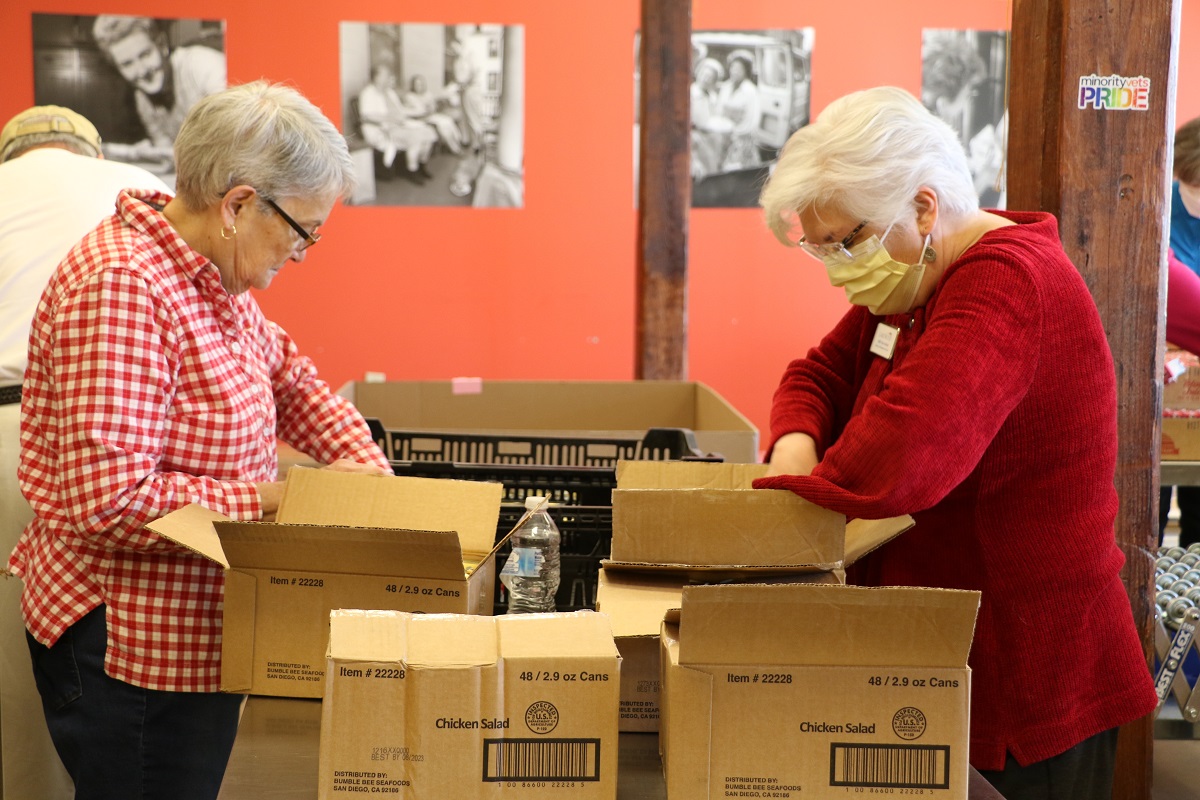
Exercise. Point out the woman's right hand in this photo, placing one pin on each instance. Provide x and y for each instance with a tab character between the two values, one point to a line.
348	465
793	454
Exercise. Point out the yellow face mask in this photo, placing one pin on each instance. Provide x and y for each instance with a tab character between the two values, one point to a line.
872	278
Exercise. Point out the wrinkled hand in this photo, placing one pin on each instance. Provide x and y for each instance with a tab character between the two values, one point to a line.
793	454
347	465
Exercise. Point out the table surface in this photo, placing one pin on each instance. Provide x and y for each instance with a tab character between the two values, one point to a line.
1179	473
275	756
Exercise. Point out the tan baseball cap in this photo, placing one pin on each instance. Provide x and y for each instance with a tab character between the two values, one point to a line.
48	119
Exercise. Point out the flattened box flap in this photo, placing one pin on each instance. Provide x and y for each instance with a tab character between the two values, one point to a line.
324	497
809	625
453	640
334	549
636	605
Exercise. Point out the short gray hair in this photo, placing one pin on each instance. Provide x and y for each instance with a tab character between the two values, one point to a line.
263	134
866	156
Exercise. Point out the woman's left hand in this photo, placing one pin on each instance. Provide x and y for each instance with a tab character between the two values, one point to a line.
347	465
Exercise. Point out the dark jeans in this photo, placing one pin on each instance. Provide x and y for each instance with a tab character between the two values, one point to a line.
119	741
1188	500
1085	772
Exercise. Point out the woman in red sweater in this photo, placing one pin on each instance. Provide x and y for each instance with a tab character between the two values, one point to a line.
970	385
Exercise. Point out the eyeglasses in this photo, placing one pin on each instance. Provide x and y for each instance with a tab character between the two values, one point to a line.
309	238
821	252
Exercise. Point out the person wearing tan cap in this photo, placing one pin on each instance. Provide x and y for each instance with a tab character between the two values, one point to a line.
54	187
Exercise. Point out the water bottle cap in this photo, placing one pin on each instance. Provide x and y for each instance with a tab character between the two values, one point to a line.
535	502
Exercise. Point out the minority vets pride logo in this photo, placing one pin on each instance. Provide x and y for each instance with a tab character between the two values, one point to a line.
1114	92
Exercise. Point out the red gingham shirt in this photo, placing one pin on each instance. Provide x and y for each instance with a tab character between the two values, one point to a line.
150	387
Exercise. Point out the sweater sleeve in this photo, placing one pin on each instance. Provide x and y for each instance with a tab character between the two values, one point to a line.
1183	305
935	415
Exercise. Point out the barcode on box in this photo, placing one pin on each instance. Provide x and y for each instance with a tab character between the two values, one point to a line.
541	759
901	766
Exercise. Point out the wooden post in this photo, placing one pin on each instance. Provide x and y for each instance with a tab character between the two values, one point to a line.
664	189
1105	174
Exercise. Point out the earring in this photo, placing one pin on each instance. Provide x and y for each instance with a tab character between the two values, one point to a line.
930	255
232	232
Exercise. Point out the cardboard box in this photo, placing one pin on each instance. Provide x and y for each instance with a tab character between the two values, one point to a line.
705	520
1180	438
799	691
573	409
452	706
1183	392
339	541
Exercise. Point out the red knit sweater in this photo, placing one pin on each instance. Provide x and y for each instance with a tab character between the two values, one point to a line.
995	425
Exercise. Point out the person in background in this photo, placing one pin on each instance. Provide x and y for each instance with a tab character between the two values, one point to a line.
1183	331
951	69
182	404
941	393
1185	248
710	130
389	127
167	83
738	102
423	105
55	186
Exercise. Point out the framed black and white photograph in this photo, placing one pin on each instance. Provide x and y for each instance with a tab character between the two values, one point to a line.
964	81
750	91
435	114
135	78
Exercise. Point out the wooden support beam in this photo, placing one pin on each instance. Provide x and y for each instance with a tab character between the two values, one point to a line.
1105	174
664	189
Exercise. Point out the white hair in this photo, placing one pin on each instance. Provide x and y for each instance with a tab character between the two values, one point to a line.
262	134
866	156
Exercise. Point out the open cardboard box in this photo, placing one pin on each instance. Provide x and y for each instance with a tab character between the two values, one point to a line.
807	690
340	540
572	409
705	520
452	706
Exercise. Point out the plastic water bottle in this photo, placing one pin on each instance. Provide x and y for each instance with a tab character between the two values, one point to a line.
531	573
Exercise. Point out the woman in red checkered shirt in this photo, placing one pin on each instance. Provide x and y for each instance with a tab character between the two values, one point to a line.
155	381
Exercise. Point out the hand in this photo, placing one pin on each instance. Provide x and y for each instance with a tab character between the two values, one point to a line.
793	454
347	465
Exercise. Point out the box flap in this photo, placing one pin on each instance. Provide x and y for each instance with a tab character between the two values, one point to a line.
463	640
636	605
864	535
571	634
333	549
324	497
826	625
721	527
687	475
367	635
192	527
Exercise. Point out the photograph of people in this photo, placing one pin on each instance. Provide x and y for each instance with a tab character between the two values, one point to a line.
963	82
941	394
136	77
738	74
185	403
435	113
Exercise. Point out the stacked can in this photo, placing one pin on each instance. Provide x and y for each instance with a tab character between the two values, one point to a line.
1177	581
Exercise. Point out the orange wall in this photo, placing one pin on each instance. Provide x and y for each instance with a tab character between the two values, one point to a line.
548	291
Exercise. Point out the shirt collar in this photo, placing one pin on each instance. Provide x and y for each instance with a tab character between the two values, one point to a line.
141	210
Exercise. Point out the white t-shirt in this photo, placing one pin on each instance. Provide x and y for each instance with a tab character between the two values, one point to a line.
49	199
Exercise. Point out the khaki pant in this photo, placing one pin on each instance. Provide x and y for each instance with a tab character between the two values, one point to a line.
29	766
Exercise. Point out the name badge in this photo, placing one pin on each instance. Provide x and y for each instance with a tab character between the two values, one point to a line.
884	343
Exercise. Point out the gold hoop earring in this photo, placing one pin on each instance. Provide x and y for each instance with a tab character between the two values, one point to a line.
232	232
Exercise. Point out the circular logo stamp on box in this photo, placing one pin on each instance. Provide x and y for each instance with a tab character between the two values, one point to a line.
909	723
541	717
